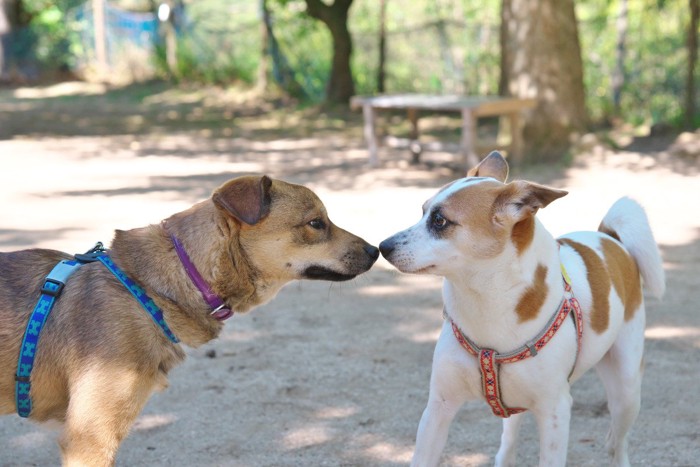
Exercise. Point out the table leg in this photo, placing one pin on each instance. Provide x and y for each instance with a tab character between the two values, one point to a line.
370	134
516	139
468	142
414	144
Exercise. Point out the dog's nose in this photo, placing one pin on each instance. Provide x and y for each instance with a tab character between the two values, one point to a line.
386	247
372	251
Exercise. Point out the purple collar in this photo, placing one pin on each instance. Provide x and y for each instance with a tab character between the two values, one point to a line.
219	309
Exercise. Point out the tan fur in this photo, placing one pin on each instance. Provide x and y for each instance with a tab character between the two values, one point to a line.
468	206
625	276
534	296
599	281
100	355
523	233
608	231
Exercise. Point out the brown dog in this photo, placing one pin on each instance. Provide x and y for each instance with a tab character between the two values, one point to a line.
100	355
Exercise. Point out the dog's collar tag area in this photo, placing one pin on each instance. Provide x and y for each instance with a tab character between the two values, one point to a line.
219	310
490	360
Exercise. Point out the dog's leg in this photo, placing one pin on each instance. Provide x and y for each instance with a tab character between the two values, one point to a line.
509	441
553	417
620	370
104	402
447	395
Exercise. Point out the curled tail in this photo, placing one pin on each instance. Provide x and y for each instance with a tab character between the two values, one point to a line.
627	222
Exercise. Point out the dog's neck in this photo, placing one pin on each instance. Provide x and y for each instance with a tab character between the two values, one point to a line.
483	298
227	273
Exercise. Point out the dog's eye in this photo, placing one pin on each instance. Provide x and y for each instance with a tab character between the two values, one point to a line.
317	224
438	221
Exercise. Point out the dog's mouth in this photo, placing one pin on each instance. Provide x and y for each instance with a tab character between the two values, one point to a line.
326	274
425	270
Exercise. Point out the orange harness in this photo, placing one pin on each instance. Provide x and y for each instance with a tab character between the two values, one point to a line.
489	359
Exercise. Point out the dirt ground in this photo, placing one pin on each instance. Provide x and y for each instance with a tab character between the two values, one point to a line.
330	374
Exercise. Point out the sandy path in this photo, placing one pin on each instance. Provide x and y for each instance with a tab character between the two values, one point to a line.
338	374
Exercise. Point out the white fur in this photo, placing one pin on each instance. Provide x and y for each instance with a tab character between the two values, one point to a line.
630	221
481	295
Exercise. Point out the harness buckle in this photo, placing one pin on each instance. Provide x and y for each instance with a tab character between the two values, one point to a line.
52	292
22	379
531	347
92	254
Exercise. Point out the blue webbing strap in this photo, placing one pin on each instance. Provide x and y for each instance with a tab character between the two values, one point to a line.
53	285
140	295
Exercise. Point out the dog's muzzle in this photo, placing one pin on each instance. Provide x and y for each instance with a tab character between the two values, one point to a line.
387	247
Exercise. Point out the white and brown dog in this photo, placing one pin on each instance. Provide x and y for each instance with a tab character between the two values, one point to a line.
507	336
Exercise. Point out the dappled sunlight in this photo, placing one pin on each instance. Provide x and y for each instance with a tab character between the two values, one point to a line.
236	334
416	332
670	332
383	451
403	283
68	88
32	439
306	436
150	422
335	412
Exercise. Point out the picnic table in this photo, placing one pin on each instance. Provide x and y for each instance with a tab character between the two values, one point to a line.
471	107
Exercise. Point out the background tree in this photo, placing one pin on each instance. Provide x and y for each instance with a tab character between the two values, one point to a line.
381	65
281	70
692	45
340	85
618	77
541	58
7	14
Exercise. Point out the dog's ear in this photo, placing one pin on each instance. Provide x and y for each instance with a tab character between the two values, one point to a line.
245	198
522	199
494	165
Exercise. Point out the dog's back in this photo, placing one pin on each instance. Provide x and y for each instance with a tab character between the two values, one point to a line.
627	222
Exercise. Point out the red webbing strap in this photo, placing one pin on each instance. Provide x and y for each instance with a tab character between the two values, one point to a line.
489	359
491	386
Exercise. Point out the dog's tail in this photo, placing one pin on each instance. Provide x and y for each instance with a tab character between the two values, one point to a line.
627	222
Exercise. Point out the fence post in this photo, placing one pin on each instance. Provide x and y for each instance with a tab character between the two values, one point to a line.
98	11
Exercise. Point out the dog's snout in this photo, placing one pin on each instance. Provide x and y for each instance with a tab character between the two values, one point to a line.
372	251
386	247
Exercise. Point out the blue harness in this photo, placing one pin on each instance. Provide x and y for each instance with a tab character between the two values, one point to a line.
53	286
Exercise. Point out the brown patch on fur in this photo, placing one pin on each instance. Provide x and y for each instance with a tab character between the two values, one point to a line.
472	207
533	298
608	231
625	276
599	281
523	233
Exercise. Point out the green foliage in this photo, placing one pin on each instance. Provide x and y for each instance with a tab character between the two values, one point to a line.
219	43
435	46
48	36
655	64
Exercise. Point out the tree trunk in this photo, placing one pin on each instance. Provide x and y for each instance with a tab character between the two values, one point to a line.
281	69
692	45
102	66
381	73
618	78
541	59
335	16
264	65
5	31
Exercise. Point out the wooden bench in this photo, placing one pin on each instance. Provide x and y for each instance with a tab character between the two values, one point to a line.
471	108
